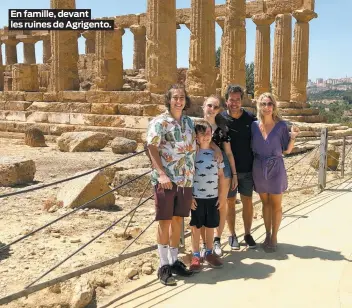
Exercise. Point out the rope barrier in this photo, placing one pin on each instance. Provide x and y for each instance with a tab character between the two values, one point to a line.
69	213
68	179
89	242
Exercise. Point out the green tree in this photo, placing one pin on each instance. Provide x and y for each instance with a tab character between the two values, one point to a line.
249	72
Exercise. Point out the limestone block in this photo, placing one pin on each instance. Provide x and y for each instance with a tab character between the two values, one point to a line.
109	120
61	118
275	7
16	171
34	137
72	96
130	97
332	158
60	107
158	99
37	117
82	141
2	105
98	97
341	133
50	97
8	83
153	110
25	77
3	114
82	119
254	8
131	272
34	96
298	112
14	96
105	108
307	119
82	295
136	122
136	188
122	145
81	190
135	110
18	106
17	116
292	105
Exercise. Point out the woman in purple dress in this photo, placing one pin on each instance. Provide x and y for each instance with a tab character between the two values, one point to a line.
270	140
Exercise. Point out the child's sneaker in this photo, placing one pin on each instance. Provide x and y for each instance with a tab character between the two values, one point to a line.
213	260
202	253
217	248
195	265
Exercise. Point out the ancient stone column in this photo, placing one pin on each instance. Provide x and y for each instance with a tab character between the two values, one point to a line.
28	48
234	51
139	46
64	48
201	73
300	52
46	48
161	64
262	53
109	63
90	41
10	49
281	71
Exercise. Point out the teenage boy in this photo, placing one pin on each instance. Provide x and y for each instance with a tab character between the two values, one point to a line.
172	147
204	210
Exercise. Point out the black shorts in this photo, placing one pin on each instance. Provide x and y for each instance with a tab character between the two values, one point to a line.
206	214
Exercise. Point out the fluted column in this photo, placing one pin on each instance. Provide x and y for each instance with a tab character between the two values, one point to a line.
90	41
201	77
300	55
262	53
28	50
64	49
10	49
234	51
109	62
139	46
161	45
46	48
281	74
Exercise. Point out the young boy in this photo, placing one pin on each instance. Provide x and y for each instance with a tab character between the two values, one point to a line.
204	210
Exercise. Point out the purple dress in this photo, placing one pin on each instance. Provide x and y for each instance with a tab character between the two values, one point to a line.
269	173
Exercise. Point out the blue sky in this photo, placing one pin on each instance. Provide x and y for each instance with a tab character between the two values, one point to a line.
330	34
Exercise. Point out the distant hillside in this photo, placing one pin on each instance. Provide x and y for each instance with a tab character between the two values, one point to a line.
331	95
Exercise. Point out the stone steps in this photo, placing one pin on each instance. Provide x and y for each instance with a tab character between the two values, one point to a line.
123	121
58	129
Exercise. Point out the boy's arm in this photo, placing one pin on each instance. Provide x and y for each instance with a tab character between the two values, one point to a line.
217	152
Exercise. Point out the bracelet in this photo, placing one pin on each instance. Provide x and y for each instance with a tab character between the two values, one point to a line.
234	173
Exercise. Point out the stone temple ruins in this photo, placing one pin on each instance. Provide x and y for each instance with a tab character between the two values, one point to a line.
72	92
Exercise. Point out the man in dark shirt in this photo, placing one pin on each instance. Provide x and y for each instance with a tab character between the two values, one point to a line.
239	123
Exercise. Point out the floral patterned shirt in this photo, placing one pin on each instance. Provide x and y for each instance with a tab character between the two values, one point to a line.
177	148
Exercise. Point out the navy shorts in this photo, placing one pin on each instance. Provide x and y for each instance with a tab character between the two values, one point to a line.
206	214
245	185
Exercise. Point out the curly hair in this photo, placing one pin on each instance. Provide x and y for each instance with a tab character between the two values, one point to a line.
168	96
233	89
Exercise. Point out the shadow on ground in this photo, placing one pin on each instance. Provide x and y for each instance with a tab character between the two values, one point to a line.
5	253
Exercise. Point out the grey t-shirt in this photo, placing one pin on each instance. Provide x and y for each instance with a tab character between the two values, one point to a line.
207	175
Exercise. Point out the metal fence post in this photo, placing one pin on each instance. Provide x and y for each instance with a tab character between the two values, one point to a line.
343	156
323	158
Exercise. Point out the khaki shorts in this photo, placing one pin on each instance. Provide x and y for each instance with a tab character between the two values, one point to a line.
172	202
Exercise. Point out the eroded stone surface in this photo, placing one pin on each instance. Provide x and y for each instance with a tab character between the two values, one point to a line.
16	171
82	141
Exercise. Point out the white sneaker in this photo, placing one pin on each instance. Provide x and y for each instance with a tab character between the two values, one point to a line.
202	253
233	242
217	249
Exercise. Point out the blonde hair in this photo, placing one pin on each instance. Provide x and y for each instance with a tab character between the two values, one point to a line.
276	115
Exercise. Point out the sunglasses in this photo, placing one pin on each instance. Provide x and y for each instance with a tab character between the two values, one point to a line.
213	106
269	104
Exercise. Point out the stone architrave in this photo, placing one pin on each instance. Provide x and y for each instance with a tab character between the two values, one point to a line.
262	53
64	48
161	65
201	77
10	49
46	48
281	70
90	41
28	48
234	51
139	46
300	55
108	62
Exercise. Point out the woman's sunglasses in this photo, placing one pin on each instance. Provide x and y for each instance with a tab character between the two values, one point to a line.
213	106
269	104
